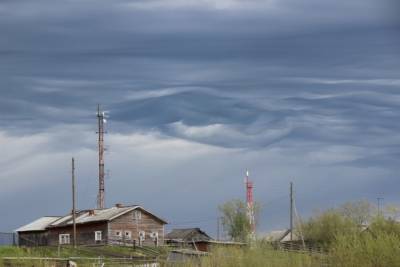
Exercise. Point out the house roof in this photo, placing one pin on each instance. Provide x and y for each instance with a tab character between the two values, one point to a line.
38	225
188	234
98	215
281	236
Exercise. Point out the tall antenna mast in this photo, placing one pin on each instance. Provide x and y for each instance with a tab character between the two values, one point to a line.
250	205
101	120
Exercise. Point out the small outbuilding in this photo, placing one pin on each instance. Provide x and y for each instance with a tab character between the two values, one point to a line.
195	239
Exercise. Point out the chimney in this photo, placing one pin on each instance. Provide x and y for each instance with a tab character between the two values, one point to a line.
91	212
119	205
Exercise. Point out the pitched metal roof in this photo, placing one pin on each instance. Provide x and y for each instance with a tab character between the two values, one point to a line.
98	215
188	234
281	236
38	225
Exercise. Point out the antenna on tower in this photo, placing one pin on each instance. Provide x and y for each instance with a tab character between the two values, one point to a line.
250	205
101	120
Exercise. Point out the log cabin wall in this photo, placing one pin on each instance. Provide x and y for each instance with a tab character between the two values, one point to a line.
32	238
85	233
127	222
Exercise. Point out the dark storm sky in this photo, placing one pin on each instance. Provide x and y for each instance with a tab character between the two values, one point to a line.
198	91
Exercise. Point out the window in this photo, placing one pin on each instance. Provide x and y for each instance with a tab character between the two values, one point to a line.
118	234
137	215
63	239
97	236
128	235
154	235
142	235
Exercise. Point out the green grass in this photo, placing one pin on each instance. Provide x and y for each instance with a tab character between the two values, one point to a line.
107	253
366	250
258	256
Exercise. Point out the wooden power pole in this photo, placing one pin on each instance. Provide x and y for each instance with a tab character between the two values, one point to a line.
218	223
73	203
291	211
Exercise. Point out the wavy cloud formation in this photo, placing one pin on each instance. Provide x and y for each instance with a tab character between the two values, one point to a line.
197	92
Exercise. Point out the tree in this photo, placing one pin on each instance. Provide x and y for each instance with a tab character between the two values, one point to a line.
360	212
392	211
324	227
235	220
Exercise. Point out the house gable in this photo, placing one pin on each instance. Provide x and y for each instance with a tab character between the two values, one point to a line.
128	227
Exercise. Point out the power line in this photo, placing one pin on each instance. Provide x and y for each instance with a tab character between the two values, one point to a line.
299	224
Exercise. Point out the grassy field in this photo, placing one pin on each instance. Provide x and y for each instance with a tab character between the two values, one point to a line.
257	256
347	251
86	256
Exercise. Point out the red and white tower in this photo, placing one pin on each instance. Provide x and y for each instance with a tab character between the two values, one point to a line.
250	204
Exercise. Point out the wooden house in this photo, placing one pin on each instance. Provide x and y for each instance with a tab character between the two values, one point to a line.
193	238
188	240
121	225
282	236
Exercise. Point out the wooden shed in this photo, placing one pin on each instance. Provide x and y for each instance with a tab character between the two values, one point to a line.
193	238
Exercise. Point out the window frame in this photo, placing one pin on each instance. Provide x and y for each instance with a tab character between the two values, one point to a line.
144	235
154	235
64	239
129	236
97	234
119	236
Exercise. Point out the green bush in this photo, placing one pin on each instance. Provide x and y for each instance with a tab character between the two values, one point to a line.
258	256
323	228
366	250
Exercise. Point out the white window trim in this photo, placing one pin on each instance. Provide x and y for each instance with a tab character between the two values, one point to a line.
129	236
64	239
119	236
154	235
98	235
142	236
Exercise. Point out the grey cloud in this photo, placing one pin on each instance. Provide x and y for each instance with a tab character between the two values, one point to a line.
303	89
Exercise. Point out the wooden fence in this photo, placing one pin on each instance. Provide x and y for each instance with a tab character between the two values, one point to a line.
76	261
8	239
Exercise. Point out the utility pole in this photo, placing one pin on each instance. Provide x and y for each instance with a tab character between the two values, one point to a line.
291	211
218	223
73	202
379	199
101	120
